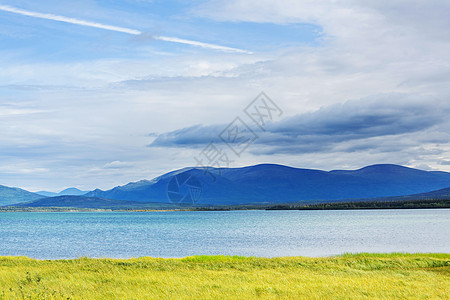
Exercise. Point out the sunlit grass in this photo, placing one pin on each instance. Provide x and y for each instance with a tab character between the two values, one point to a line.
365	275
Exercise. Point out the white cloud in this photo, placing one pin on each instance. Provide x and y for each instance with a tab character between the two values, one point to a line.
117	165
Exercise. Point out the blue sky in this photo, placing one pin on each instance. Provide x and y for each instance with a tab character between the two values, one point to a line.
44	40
358	83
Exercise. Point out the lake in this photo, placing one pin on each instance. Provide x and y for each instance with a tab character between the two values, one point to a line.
250	233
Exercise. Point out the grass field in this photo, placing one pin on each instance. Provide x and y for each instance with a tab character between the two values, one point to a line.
381	276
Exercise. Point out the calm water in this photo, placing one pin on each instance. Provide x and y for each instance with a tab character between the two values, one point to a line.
257	233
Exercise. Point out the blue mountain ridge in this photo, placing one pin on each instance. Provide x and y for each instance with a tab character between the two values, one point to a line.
271	183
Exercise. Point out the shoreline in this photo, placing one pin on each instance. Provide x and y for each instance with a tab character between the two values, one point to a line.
346	205
232	257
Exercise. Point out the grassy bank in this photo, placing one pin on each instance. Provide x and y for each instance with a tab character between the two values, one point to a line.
382	276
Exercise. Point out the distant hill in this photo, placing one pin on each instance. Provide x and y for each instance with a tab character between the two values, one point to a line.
10	195
269	183
67	192
433	199
90	202
46	194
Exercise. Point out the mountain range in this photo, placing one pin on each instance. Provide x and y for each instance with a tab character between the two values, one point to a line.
67	192
259	184
268	183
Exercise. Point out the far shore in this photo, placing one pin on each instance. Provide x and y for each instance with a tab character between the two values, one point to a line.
348	205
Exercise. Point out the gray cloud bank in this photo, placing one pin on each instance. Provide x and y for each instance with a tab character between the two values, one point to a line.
338	126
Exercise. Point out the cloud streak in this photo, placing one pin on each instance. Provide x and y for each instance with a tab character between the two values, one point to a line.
126	30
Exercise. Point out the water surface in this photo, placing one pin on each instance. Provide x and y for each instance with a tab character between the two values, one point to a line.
250	233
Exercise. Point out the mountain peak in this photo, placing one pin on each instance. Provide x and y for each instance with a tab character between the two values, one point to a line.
66	192
386	167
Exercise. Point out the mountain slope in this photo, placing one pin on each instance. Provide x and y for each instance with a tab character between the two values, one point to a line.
442	194
67	192
10	195
47	194
268	183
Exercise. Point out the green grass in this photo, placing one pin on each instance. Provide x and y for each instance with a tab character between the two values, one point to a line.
365	275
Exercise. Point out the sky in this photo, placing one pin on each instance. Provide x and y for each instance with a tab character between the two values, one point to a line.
95	94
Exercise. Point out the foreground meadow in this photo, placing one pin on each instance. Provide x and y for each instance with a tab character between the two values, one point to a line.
381	276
